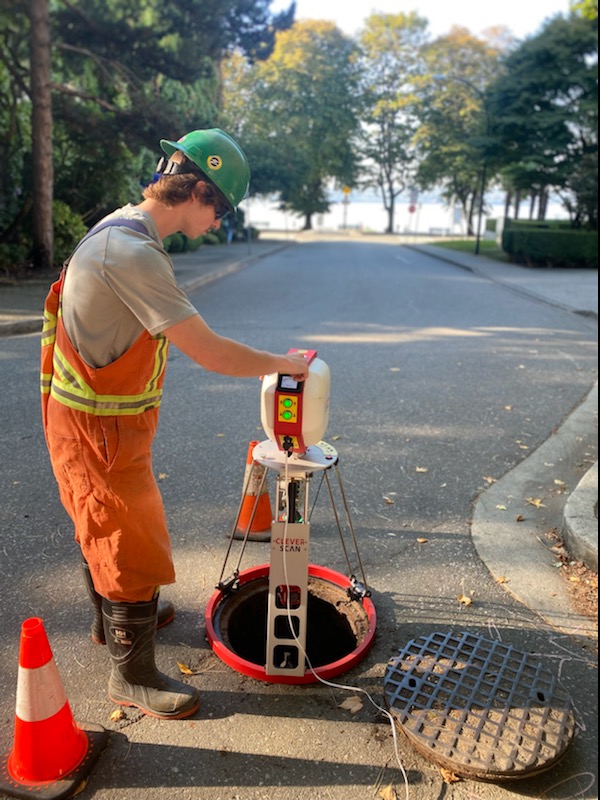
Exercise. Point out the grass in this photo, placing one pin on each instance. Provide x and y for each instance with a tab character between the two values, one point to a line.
487	248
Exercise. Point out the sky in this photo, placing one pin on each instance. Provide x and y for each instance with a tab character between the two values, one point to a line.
522	18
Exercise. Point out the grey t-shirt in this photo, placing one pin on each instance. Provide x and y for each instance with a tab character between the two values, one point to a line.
118	283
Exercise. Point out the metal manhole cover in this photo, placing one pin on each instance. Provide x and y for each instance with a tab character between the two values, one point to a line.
479	707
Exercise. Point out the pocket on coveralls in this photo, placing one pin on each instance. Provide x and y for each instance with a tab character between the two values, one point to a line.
68	464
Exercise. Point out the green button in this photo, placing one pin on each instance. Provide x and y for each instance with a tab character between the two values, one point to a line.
287	402
287	415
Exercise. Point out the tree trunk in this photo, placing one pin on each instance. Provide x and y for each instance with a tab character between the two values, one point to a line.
543	204
470	215
391	214
41	134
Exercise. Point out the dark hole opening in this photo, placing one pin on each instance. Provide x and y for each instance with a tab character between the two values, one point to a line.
243	627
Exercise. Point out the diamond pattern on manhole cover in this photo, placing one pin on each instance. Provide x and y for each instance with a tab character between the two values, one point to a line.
479	707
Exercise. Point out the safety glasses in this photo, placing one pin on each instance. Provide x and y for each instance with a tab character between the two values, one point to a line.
211	197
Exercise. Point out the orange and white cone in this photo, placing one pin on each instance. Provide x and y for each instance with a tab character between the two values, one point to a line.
52	755
254	517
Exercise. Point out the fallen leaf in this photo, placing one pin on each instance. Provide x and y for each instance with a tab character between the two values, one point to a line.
421	469
117	715
535	501
388	500
352	704
394	369
489	479
448	776
501	579
508	408
335	438
464	600
184	669
220	434
559	482
501	508
523	447
559	549
520	518
388	793
422	540
162	476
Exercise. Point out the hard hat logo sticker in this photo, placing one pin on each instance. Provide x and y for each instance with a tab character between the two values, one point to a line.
214	162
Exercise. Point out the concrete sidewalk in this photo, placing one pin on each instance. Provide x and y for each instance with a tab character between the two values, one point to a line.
22	303
574	290
526	559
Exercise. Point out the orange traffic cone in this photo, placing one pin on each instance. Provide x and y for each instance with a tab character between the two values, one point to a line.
254	517
52	756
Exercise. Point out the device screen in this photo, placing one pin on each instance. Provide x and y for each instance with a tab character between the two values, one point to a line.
287	382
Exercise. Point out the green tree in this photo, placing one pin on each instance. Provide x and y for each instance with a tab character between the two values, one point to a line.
41	134
302	116
124	74
391	63
587	8
15	128
454	135
545	115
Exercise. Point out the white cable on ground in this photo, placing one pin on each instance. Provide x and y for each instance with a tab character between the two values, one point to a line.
304	653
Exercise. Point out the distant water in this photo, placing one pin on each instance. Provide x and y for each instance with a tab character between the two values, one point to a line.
427	218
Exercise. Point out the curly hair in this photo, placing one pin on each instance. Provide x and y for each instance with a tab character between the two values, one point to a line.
172	190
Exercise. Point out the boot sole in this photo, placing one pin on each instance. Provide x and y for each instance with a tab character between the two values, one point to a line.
181	715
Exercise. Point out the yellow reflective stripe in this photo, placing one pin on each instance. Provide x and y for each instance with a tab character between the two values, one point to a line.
48	329
65	373
70	389
160	361
105	405
45	381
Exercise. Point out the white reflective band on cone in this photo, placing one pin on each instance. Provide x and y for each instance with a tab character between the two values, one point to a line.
40	693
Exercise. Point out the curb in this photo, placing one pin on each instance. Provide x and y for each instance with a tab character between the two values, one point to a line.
229	269
21	326
509	536
441	255
34	324
580	527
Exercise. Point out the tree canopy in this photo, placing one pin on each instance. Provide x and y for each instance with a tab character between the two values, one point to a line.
316	110
302	117
544	112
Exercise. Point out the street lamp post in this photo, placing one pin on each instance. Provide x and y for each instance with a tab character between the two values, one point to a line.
480	212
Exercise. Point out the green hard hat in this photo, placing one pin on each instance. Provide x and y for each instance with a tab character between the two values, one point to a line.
219	157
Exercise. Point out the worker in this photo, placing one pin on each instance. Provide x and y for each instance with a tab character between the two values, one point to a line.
109	319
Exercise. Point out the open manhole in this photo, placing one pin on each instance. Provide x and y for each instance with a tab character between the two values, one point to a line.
339	630
479	707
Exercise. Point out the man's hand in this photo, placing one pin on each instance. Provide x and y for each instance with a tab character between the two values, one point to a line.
297	367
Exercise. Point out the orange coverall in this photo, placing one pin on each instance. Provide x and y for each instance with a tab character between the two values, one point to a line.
99	426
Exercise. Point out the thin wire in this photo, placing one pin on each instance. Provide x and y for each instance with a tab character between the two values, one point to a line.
324	681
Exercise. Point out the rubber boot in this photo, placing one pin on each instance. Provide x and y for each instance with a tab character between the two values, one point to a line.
166	610
130	630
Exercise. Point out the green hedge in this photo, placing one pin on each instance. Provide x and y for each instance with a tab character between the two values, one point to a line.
550	246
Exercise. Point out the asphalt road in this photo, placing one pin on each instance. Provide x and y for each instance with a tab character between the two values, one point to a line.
441	383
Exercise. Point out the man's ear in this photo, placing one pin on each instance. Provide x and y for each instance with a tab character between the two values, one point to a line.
199	190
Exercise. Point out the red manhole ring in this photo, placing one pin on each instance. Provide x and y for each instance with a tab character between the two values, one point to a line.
236	626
